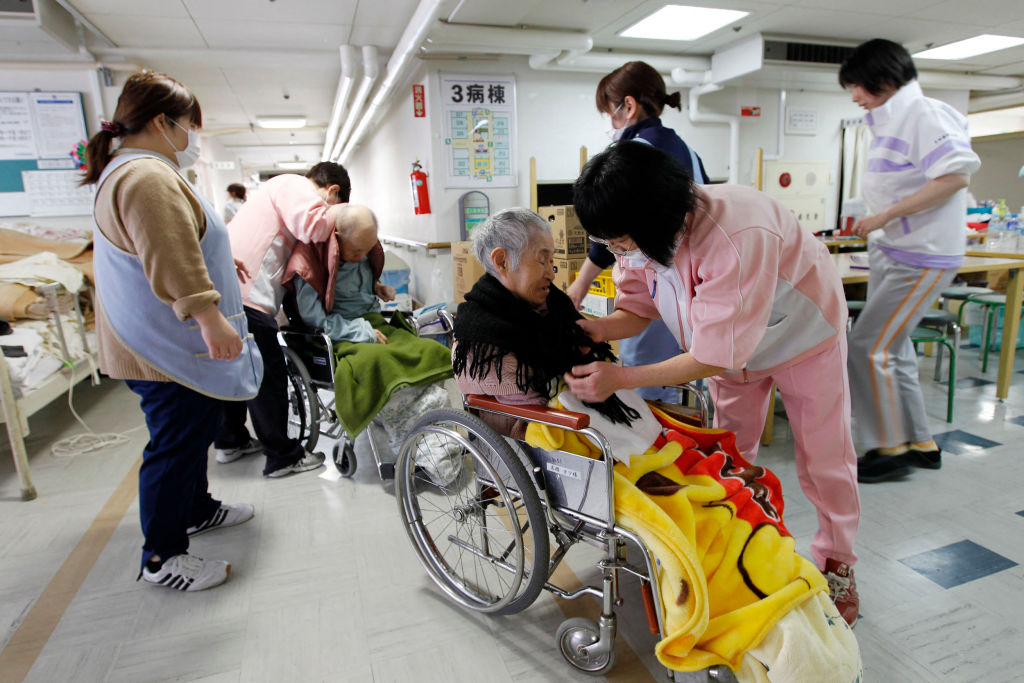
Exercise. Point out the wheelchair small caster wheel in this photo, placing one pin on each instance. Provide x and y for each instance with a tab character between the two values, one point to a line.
574	637
345	459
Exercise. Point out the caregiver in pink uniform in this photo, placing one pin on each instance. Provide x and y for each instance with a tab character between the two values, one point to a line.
753	300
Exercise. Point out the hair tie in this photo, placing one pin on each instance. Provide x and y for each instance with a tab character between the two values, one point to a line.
112	127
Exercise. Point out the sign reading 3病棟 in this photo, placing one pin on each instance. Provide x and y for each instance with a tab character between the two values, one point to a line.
478	124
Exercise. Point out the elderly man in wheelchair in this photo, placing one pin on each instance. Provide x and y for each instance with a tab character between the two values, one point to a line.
721	580
383	374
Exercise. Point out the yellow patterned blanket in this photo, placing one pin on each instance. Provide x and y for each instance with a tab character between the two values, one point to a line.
728	570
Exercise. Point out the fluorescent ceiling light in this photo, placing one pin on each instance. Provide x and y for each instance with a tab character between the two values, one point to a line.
978	45
680	22
293	165
281	121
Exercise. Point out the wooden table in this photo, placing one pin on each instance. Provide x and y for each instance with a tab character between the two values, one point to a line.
976	261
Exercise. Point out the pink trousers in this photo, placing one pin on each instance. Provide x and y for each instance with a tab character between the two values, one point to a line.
816	394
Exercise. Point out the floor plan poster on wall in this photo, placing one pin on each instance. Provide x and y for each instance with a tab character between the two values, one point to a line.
479	129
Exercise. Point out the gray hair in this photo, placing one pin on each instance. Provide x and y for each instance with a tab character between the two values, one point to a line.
512	230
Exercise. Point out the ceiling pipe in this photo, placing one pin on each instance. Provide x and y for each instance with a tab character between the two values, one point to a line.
222	57
423	19
780	138
344	89
474	39
697	116
961	81
996	100
70	66
371	69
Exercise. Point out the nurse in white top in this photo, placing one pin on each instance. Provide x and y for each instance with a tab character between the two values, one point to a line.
919	164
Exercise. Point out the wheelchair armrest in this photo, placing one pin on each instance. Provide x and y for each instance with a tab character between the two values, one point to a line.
560	418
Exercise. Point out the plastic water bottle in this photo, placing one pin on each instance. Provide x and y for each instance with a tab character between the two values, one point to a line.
995	240
1016	229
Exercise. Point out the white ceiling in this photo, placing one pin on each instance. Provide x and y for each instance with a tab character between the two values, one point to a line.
242	57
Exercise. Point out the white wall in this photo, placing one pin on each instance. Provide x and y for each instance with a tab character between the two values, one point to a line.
998	178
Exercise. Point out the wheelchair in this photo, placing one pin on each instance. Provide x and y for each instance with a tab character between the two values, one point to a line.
484	540
309	362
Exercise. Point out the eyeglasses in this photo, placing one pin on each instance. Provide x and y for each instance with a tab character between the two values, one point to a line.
618	251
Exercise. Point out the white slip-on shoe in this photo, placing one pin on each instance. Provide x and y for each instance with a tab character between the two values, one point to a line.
228	514
226	455
309	461
188	573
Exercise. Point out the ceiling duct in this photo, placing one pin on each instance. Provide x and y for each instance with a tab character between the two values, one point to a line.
804	53
25	25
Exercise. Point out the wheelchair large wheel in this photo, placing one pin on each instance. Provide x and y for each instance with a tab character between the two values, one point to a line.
303	407
482	537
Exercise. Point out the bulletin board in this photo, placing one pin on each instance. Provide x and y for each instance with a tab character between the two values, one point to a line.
38	177
478	122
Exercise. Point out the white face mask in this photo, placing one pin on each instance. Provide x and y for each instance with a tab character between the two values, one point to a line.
190	154
614	134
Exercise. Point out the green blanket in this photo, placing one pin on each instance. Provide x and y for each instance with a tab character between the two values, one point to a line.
367	374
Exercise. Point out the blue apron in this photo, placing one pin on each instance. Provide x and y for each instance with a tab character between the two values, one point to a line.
150	328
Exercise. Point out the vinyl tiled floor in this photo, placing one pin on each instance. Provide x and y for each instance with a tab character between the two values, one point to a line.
325	585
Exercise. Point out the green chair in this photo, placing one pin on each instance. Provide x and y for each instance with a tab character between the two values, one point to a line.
933	335
854	306
991	302
947	323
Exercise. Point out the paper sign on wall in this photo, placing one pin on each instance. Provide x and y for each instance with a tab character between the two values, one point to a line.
479	130
58	122
16	138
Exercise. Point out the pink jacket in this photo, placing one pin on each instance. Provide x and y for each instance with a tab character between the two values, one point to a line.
749	288
263	233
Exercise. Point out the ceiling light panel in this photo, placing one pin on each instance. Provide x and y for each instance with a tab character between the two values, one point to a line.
281	121
971	47
682	22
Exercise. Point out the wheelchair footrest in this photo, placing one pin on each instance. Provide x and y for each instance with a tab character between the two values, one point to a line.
386	470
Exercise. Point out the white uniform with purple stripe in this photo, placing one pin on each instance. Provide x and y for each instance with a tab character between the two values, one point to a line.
917	139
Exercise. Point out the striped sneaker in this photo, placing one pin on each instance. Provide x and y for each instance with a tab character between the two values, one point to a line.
228	514
188	573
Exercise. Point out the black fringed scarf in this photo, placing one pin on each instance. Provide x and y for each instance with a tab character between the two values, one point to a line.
493	322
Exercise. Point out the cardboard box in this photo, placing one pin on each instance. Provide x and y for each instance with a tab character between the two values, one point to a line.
570	238
598	306
565	271
466	270
603	284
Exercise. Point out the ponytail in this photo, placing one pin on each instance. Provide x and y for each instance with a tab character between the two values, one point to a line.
674	100
98	154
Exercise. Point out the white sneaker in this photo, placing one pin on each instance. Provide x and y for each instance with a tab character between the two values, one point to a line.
309	461
226	455
189	573
228	514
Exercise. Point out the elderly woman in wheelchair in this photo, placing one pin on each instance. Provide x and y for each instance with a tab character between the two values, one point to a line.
721	581
382	372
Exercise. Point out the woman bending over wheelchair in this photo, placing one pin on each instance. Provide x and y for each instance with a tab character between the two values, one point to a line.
733	589
383	369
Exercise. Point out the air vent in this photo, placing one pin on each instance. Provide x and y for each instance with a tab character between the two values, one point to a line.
808	53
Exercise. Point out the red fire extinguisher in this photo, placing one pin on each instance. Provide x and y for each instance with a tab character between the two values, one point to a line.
420	197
